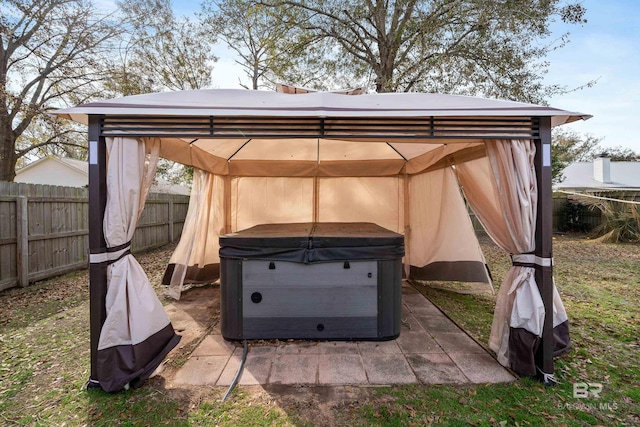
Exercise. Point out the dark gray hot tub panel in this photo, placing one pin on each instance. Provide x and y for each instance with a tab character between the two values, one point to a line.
281	299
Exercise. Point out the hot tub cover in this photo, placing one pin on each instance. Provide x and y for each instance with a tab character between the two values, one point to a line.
313	242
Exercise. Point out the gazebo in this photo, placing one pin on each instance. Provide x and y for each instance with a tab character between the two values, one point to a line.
409	162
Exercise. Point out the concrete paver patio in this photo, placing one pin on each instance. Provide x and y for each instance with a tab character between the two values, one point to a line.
431	349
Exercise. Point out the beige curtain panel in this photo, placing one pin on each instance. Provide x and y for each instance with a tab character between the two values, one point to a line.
502	191
507	209
196	259
442	244
366	199
270	200
137	333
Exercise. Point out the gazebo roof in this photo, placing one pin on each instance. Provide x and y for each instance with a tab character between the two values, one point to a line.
247	103
262	133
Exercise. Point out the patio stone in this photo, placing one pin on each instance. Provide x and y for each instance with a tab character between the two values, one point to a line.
338	347
413	300
418	342
481	368
388	369
436	369
408	323
425	309
260	350
298	348
379	347
341	369
214	345
294	369
256	369
437	324
458	342
203	370
408	289
431	349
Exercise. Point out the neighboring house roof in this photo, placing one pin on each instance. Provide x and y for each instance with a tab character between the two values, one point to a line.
79	165
622	176
53	170
163	186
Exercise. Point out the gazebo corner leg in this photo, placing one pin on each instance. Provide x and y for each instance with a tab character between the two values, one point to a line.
97	244
544	250
544	358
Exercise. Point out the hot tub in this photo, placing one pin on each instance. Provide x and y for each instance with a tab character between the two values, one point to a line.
337	281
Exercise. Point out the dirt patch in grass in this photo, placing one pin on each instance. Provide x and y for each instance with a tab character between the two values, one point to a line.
22	306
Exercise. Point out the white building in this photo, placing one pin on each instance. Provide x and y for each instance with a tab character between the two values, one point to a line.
53	170
601	175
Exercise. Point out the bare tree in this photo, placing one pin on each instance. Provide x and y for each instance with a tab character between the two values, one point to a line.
46	136
268	41
50	55
160	51
475	47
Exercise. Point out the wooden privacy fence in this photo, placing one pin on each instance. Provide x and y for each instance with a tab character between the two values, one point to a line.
590	218
44	230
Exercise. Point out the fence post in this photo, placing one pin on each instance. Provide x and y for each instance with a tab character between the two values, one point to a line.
171	236
22	240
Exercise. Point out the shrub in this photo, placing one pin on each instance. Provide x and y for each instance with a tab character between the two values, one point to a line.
572	217
621	219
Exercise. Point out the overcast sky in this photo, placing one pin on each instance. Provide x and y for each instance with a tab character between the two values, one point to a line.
606	49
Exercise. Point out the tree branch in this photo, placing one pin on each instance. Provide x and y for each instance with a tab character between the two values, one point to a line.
49	141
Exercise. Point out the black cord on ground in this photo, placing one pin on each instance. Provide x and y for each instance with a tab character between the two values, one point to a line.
239	373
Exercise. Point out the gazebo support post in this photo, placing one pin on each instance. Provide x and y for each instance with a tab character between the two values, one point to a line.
97	244
544	250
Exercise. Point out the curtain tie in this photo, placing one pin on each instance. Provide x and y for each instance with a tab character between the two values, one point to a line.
530	260
110	255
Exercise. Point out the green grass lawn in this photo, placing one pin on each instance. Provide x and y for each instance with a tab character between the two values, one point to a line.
44	362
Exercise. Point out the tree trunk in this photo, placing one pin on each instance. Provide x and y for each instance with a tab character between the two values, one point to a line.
8	156
384	78
385	69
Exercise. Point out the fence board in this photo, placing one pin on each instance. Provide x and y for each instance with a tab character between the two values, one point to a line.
58	229
22	241
7	238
